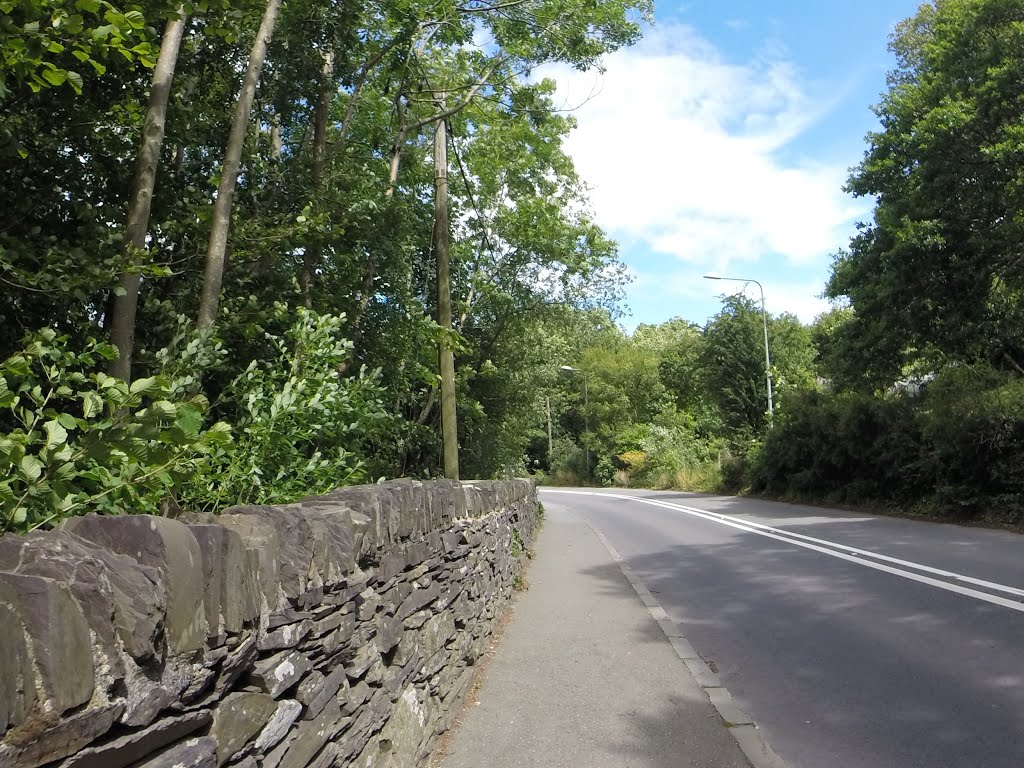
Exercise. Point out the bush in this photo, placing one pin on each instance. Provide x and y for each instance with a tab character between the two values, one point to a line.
665	456
299	423
842	448
75	440
973	422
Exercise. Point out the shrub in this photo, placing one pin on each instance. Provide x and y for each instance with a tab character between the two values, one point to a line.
75	440
849	447
973	422
299	423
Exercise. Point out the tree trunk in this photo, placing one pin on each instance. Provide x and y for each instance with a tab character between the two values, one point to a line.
321	118
122	331
276	143
217	249
449	429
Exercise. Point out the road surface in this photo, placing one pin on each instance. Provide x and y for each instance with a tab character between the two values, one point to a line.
853	641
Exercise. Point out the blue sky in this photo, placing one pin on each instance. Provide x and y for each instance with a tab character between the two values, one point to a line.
720	143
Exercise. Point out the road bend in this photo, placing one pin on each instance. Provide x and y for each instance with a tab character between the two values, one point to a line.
854	641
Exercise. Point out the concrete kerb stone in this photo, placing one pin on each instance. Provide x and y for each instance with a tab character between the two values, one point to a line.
739	724
727	708
755	747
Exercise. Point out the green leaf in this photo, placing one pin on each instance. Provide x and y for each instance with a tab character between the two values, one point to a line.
75	80
92	404
67	421
54	76
142	386
55	434
30	467
163	409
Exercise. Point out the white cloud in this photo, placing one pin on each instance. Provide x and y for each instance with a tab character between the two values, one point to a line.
685	291
690	156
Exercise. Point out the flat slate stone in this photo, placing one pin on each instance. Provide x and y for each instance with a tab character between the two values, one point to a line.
316	692
287	636
278	673
117	594
169	546
287	712
125	750
194	753
36	744
311	737
17	689
263	546
60	638
238	718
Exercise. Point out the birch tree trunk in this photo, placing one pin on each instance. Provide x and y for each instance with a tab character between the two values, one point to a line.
147	162
321	118
216	251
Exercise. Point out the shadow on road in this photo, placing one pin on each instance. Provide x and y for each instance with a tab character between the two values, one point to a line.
842	665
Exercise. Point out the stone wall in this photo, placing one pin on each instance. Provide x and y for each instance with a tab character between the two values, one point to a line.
339	631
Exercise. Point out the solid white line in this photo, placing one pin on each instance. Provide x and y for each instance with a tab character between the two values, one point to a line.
822	546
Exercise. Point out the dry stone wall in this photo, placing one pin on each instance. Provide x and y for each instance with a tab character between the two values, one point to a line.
338	631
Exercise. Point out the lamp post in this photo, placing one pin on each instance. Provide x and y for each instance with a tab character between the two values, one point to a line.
764	320
586	408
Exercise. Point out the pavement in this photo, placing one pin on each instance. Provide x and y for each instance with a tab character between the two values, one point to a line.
586	675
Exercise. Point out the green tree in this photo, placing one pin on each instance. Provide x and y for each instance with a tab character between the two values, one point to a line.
731	360
937	272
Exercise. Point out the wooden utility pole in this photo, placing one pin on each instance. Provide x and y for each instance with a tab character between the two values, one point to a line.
449	429
551	442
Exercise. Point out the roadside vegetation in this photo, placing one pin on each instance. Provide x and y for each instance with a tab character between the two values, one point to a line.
909	396
219	232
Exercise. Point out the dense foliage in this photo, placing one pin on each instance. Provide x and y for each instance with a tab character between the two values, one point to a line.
216	242
217	253
926	361
909	395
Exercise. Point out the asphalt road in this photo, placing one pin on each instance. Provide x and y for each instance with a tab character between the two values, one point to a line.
853	641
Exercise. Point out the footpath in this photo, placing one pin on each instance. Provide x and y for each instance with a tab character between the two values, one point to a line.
585	677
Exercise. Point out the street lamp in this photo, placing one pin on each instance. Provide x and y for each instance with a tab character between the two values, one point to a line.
586	408
764	320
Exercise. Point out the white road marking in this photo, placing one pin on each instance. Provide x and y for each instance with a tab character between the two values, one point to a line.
833	549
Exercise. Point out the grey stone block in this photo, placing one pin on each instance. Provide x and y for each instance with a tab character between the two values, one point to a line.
311	736
418	599
296	541
17	687
238	718
287	713
318	689
125	750
288	636
278	673
168	546
59	633
117	594
194	753
390	631
39	742
345	623
263	546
